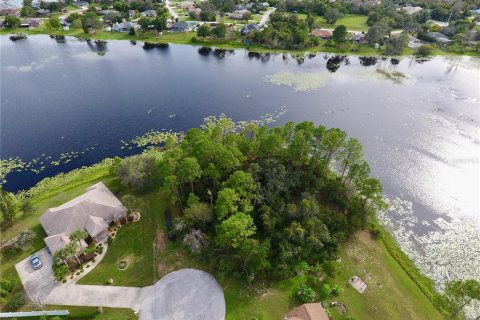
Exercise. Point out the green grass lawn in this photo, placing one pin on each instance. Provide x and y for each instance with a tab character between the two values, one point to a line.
353	22
91	313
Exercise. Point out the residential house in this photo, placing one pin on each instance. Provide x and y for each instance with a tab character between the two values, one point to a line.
195	13
322	34
187	5
438	37
43	12
307	311
238	14
181	26
253	27
108	12
9	12
29	23
131	13
124	26
92	211
412	10
149	13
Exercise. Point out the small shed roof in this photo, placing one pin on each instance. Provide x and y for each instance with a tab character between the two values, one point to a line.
308	311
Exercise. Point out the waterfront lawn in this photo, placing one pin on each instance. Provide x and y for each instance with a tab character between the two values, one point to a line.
353	22
391	294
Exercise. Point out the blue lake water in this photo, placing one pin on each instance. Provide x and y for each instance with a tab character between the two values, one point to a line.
418	120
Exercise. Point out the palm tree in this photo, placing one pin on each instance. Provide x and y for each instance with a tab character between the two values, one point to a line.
78	235
194	240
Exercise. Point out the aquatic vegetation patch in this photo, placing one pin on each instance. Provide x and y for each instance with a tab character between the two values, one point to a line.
394	76
299	81
442	251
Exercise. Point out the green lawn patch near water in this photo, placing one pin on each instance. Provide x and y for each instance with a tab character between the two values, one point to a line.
353	22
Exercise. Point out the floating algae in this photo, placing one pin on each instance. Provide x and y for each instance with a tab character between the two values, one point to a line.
396	77
299	81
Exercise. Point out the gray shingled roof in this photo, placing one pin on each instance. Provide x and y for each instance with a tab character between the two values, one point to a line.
90	211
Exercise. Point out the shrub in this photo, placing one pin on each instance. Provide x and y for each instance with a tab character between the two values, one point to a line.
3	292
425	50
325	291
336	290
21	241
305	293
60	271
8	284
138	172
18	300
99	249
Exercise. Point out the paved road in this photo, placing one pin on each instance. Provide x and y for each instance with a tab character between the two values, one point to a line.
266	16
181	295
170	9
105	296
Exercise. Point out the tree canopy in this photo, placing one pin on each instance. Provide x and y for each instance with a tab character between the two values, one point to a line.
257	201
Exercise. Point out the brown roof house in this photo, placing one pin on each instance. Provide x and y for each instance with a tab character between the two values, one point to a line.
307	311
92	211
323	34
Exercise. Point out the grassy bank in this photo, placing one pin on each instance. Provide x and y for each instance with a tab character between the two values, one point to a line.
186	38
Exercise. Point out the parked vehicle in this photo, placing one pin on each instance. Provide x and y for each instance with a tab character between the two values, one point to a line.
36	263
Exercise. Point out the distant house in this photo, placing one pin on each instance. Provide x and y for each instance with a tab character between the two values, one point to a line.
187	5
323	34
253	27
238	15
307	311
195	13
131	13
438	37
108	12
412	10
92	211
181	26
43	12
124	26
30	23
149	13
9	12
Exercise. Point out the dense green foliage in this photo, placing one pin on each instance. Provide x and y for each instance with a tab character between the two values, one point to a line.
262	200
286	32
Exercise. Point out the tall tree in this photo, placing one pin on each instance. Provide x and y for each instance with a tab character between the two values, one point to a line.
233	231
78	236
351	154
189	170
460	293
8	208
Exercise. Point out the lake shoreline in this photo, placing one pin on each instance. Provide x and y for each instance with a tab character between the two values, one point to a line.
186	39
64	183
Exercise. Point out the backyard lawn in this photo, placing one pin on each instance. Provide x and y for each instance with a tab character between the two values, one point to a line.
353	22
391	294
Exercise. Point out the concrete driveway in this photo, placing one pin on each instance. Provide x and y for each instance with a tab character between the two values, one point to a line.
37	283
183	295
